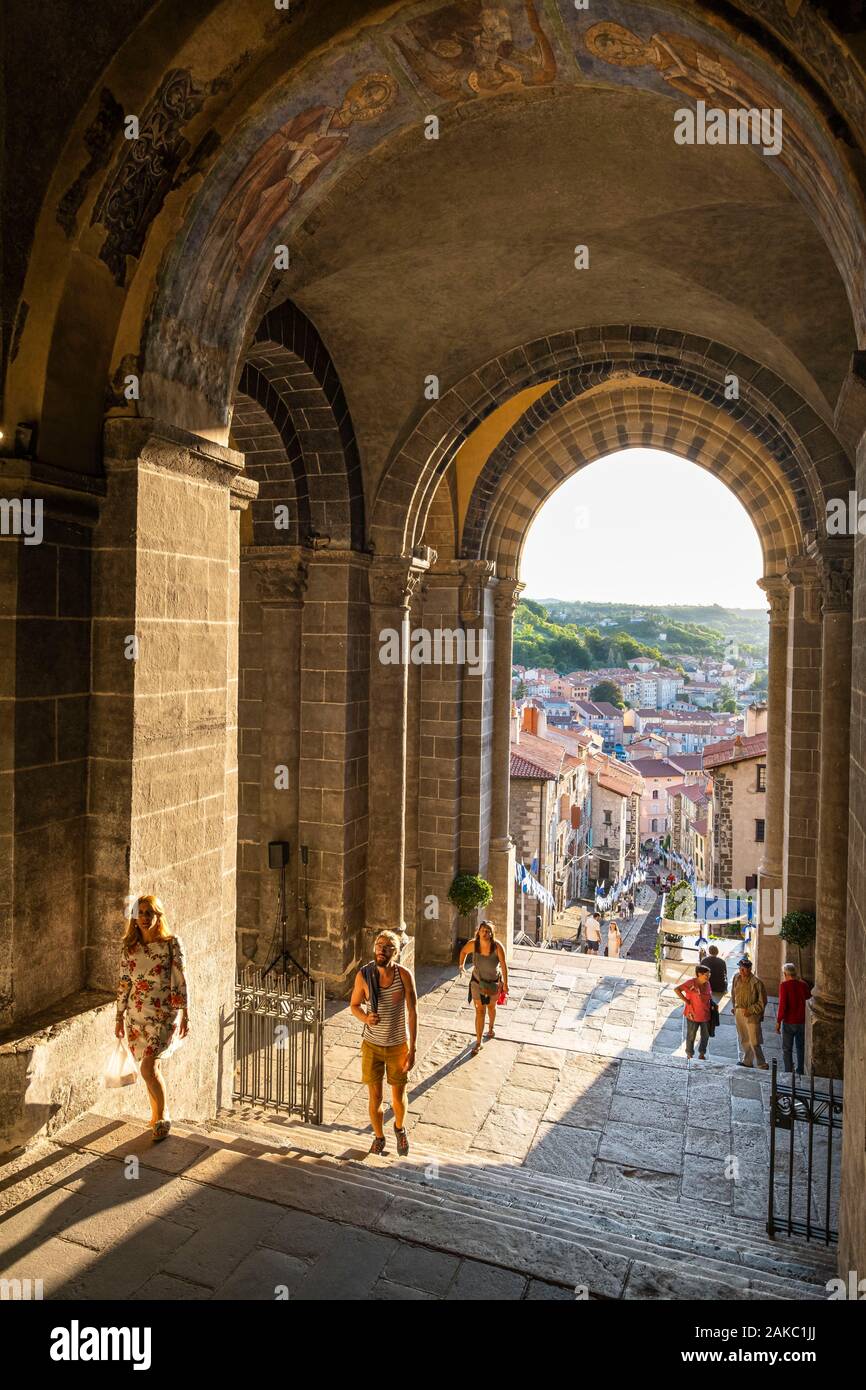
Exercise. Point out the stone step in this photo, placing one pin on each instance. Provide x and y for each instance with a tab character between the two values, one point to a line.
511	1179
569	1251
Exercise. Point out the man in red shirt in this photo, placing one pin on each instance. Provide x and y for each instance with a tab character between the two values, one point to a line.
791	1017
698	998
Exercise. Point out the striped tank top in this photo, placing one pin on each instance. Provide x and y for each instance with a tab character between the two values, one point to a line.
391	1028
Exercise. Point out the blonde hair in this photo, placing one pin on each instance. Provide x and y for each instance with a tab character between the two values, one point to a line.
393	938
132	936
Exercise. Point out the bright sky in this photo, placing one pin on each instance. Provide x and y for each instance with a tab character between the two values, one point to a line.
643	526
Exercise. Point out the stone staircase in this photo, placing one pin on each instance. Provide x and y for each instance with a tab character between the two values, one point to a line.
611	1243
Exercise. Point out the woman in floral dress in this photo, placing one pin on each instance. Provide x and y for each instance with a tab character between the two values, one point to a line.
153	993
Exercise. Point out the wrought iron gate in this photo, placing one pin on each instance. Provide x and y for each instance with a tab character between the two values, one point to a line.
279	1035
820	1111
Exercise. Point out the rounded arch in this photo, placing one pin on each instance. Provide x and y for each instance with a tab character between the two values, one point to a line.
288	374
138	243
630	415
801	454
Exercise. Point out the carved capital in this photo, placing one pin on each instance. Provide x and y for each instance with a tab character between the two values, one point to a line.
394	582
802	576
506	597
836	573
776	587
279	579
475	576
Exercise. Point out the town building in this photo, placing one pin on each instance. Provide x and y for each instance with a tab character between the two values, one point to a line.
739	771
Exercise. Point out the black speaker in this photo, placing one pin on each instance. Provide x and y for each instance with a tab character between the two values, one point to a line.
278	854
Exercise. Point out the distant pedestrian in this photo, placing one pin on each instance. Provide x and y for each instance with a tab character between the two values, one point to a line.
791	1017
592	934
614	941
489	976
718	971
749	1000
697	996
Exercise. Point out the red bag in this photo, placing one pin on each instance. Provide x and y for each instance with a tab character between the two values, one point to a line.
502	997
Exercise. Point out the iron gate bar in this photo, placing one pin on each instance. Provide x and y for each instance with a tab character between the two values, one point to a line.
821	1110
282	1070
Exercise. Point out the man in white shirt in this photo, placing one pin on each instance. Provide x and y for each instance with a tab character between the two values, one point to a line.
591	933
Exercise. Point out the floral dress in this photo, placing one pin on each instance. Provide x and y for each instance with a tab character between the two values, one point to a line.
152	992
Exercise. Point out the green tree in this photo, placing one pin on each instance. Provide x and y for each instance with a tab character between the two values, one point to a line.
608	691
727	701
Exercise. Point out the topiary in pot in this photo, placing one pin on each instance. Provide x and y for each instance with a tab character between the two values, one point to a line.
468	892
798	928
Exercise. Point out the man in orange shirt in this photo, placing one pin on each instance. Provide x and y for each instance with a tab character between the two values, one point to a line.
791	1017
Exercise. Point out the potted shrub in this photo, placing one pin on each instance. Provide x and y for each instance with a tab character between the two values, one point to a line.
798	929
468	892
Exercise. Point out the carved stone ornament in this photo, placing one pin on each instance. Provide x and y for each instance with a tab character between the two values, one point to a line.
506	597
280	580
802	575
777	590
837	583
475	576
393	583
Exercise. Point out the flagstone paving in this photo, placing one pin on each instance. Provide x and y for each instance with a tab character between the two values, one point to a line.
606	1106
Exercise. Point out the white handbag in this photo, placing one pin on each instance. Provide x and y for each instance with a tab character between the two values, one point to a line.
121	1069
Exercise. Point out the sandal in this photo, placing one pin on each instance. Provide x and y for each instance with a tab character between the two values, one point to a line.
378	1145
160	1130
491	1035
402	1142
476	1049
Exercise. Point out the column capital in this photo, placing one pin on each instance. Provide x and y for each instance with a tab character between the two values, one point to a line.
506	597
475	575
280	574
394	580
802	577
776	587
835	563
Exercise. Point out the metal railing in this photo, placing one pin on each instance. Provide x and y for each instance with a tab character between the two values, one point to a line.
279	1042
790	1106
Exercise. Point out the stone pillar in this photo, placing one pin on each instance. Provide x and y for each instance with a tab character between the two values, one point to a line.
392	582
826	1015
333	818
274	582
802	736
162	796
506	597
476	717
440	767
768	947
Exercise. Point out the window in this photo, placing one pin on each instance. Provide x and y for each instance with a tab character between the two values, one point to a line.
655	825
655	796
607	816
759	831
761	783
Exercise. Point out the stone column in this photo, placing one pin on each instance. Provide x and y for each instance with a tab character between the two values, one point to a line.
802	736
274	582
392	582
768	947
826	1014
506	597
162	794
476	717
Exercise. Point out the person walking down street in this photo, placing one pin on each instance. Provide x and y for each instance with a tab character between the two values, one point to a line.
697	996
489	976
152	1000
592	934
749	1000
791	1016
614	941
383	995
718	972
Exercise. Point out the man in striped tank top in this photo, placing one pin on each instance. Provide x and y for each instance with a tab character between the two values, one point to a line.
383	995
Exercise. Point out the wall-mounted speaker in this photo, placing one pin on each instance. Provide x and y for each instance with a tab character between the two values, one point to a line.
278	854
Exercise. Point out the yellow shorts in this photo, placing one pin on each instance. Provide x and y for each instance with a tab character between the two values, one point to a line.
377	1062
